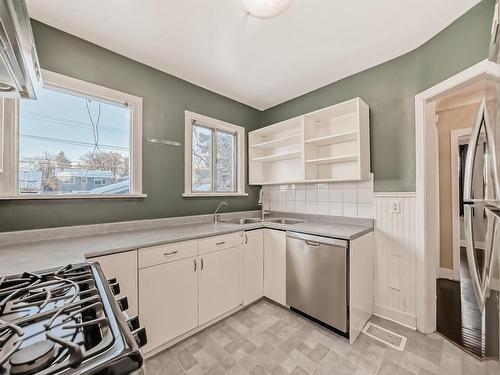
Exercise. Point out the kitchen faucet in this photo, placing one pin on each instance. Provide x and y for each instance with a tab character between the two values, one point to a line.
216	215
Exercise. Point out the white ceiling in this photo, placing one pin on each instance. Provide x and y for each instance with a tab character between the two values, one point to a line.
260	62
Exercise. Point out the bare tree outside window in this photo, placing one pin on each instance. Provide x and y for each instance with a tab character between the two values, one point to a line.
213	160
71	144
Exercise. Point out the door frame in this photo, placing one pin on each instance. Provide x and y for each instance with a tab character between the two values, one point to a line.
455	140
427	189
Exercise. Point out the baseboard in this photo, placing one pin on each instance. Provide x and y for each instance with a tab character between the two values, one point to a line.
445	273
399	317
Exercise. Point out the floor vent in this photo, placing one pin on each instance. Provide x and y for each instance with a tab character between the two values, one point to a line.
389	338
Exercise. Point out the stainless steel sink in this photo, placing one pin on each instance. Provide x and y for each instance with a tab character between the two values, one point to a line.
283	220
242	221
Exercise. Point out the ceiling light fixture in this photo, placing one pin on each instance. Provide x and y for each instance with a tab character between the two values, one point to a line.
265	8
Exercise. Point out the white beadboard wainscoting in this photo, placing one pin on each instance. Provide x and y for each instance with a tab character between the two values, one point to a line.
353	199
395	260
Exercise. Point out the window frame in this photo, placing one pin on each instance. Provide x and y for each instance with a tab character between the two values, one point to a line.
9	182
192	118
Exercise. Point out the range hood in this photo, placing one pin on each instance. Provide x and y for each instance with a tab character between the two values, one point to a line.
20	75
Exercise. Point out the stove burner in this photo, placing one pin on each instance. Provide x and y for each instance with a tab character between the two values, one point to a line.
32	358
63	321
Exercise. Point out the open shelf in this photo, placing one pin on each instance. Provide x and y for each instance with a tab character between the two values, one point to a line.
283	141
333	139
277	157
330	144
334	159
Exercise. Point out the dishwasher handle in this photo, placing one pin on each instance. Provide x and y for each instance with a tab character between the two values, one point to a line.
317	241
313	243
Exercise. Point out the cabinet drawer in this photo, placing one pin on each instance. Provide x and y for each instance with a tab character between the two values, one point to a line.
216	243
151	256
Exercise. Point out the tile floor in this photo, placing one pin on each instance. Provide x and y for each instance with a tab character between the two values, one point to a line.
268	339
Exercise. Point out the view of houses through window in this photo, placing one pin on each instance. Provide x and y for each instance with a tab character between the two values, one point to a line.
71	144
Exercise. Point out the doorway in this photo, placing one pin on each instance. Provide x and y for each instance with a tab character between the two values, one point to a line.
458	315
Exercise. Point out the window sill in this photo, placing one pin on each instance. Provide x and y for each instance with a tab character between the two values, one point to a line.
201	195
70	197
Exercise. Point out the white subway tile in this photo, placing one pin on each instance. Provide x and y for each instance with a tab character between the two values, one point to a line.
282	195
335	195
365	210
350	209
324	208
284	187
311	207
300	206
290	206
290	195
310	186
336	208
349	185
322	185
365	195
349	195
300	194
323	195
335	185
281	205
275	194
274	204
312	195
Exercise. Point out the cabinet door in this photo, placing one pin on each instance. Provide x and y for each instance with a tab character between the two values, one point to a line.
275	265
123	267
220	283
168	300
253	266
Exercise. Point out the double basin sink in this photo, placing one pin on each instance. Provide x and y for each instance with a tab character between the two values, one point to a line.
253	220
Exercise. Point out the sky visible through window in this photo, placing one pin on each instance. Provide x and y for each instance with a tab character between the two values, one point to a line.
63	135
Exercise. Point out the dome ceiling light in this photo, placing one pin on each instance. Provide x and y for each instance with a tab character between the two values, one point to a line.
265	8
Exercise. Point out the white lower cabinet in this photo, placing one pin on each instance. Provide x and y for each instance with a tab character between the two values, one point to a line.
275	265
168	300
219	283
123	267
253	266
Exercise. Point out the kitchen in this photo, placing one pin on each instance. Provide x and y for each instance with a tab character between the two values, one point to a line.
157	202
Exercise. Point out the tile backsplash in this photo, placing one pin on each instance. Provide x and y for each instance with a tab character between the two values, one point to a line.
338	198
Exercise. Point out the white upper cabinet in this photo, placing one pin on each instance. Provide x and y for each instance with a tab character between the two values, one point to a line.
331	144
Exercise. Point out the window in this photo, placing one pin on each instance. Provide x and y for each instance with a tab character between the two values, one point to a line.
68	180
214	157
99	181
74	131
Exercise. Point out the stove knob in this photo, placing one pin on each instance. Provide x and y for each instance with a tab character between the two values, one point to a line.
140	336
122	303
115	288
112	281
133	323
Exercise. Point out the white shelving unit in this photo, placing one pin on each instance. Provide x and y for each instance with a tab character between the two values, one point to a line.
331	144
276	153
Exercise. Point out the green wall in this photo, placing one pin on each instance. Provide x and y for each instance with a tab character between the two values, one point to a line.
389	89
165	98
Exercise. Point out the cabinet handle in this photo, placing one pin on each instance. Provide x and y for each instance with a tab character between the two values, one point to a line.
220	243
170	253
195	265
201	264
246	239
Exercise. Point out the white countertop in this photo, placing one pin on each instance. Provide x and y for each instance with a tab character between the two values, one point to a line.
48	253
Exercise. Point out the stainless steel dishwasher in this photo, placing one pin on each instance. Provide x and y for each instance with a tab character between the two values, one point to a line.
316	277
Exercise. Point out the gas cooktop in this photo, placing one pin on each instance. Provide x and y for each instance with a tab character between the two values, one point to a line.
67	321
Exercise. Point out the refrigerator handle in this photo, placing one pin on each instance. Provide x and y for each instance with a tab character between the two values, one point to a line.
471	152
481	280
482	117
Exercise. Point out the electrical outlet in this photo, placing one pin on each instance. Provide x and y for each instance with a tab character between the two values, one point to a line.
396	209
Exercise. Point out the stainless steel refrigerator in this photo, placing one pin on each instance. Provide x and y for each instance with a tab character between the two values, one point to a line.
481	197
